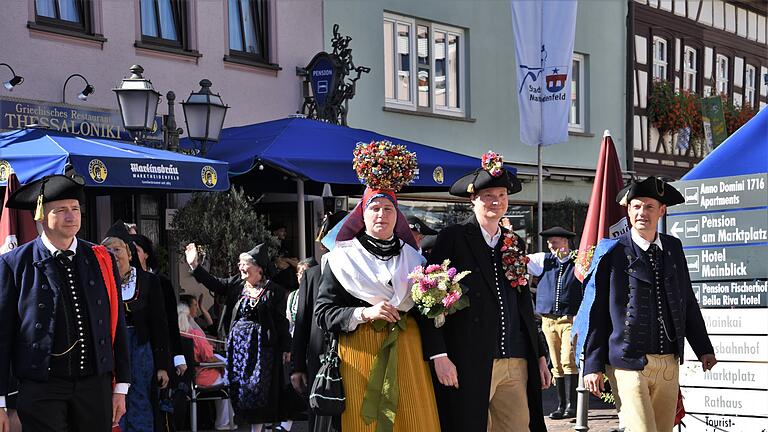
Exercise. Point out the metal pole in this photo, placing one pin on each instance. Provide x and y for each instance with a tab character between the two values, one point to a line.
540	203
171	132
582	402
302	219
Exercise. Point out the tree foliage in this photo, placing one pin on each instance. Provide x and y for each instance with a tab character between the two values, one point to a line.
224	224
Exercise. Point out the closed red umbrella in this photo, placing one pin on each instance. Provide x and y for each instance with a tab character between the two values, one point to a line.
16	226
605	217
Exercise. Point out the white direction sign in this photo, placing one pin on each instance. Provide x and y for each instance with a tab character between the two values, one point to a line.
735	294
753	321
725	375
722	193
735	348
727	263
725	401
723	423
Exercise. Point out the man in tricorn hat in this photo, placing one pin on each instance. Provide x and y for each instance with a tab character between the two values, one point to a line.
62	328
558	297
420	230
638	310
488	357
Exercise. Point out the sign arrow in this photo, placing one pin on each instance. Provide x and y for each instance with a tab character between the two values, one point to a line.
676	229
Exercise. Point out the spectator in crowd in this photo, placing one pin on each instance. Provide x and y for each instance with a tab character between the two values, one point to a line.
258	341
420	230
48	291
309	340
147	336
203	351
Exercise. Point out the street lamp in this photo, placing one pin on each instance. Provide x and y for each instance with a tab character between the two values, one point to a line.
83	96
138	101
204	114
13	82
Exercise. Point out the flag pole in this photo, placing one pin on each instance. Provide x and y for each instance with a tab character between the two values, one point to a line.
540	207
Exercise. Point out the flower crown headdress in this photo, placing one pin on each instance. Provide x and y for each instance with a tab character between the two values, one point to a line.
493	163
383	165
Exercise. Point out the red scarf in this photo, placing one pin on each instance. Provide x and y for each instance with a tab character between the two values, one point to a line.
105	265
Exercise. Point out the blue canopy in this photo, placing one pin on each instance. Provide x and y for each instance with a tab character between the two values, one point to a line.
322	152
35	153
744	152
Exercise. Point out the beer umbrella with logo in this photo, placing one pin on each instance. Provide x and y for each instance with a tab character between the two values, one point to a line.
35	153
16	226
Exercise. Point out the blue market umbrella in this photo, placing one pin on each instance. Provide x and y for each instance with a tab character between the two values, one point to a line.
322	152
35	153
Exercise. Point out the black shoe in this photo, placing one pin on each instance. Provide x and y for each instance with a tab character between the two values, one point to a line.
571	382
559	413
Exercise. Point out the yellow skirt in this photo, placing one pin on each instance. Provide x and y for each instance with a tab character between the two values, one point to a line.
416	407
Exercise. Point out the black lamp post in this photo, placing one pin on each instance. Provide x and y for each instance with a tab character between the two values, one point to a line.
138	101
83	96
204	114
13	82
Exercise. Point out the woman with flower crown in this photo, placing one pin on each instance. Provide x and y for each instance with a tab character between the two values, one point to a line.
365	298
488	358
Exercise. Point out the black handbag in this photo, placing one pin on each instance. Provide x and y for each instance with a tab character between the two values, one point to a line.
327	394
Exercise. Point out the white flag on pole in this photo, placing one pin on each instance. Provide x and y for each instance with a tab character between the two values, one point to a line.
544	32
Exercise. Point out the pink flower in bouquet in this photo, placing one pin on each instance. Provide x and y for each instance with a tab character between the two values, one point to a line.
522	281
452	273
432	268
451	298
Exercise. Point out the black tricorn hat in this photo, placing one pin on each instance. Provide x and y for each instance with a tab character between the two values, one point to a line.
480	179
330	221
260	255
418	225
49	188
557	232
119	230
652	187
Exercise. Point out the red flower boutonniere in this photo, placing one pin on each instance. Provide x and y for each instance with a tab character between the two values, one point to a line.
515	262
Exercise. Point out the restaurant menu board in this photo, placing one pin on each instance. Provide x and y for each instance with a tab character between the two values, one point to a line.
723	226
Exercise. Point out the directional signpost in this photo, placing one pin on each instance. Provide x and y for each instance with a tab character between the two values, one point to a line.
723	226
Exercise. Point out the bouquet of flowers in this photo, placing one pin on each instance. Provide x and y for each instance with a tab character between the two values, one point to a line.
383	165
493	163
436	291
514	261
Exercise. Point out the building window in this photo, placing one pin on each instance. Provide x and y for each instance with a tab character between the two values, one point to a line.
750	80
576	116
249	29
163	22
689	69
721	74
66	14
659	58
438	85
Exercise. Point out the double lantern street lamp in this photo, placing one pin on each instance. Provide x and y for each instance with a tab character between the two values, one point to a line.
204	111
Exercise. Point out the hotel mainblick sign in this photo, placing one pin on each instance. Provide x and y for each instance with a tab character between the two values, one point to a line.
83	121
723	226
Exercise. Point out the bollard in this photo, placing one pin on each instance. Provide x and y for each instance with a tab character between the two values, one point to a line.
582	407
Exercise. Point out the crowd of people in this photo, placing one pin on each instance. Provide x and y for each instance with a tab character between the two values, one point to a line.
94	337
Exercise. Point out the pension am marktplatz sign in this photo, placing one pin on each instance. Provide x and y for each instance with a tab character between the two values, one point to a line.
77	120
723	226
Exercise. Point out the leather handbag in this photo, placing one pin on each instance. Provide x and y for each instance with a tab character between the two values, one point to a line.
327	394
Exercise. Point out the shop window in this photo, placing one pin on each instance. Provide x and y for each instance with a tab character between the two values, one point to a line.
249	29
72	15
689	69
750	79
438	84
576	116
164	23
659	58
721	74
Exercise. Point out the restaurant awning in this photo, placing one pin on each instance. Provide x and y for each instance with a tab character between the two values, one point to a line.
322	152
35	153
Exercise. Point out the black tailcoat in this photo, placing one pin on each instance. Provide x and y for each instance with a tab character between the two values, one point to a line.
619	330
30	286
308	337
469	336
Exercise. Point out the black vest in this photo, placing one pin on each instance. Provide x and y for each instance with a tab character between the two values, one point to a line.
511	340
662	328
72	354
559	291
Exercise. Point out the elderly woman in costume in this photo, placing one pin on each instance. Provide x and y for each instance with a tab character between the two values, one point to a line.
147	336
258	340
365	297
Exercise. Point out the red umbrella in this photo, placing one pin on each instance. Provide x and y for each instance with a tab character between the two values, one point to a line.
16	226
605	217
